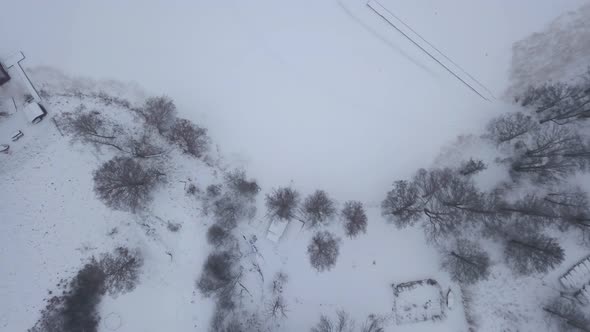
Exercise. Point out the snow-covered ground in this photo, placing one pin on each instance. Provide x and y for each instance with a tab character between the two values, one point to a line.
321	94
559	52
328	79
52	223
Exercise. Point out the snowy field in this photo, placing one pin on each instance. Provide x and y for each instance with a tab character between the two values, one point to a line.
346	107
56	224
265	75
53	223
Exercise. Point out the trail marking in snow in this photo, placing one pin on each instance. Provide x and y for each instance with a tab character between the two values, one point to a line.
416	39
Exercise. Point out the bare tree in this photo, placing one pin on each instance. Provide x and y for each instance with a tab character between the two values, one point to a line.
318	208
234	201
124	184
373	324
282	203
467	262
52	318
545	96
559	102
80	307
159	112
565	208
278	282
444	197
566	316
343	323
552	153
121	270
277	308
218	236
403	204
236	182
355	218
323	251
532	210
77	309
573	210
91	127
219	272
229	209
509	126
457	200
190	138
235	321
214	190
471	167
527	254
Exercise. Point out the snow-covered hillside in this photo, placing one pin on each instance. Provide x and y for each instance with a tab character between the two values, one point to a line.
559	52
441	212
53	223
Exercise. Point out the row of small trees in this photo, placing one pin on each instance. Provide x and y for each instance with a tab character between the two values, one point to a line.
318	209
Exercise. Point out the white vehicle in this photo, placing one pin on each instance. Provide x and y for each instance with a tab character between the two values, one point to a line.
34	112
17	135
4	148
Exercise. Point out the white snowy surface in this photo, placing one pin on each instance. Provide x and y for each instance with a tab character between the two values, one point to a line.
318	92
52	223
418	303
293	88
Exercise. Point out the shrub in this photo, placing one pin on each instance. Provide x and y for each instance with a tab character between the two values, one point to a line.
190	138
355	219
236	182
